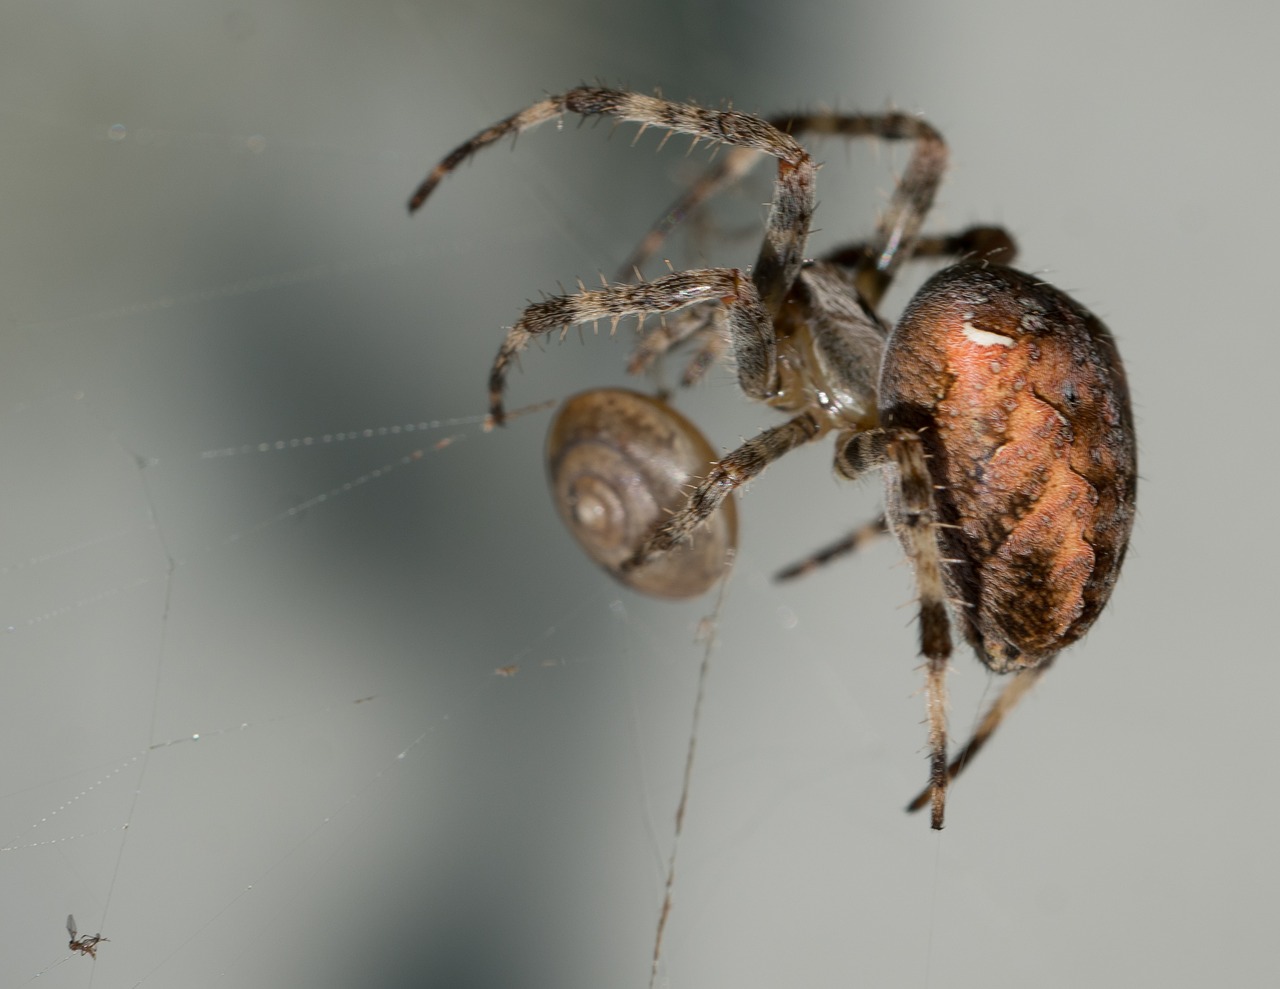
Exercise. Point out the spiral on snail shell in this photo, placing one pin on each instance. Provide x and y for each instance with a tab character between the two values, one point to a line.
619	462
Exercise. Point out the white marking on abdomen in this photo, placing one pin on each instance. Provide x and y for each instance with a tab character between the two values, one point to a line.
985	338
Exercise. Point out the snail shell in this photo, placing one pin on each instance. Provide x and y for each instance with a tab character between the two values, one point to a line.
618	463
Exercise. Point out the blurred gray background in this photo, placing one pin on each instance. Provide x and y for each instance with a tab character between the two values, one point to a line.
204	248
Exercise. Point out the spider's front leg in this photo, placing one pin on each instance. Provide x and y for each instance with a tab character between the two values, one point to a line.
790	211
913	518
897	233
750	326
698	327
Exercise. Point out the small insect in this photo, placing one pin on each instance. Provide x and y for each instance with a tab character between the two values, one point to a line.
87	945
997	409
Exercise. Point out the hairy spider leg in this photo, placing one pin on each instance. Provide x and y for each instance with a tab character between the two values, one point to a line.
733	471
749	323
913	517
792	206
864	535
899	223
1017	688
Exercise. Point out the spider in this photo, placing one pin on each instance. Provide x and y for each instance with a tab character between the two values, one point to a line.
996	409
87	945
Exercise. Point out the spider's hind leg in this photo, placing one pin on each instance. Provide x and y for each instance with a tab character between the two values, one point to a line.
862	536
912	516
1014	691
983	243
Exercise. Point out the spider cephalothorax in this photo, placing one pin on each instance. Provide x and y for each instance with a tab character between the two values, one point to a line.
996	409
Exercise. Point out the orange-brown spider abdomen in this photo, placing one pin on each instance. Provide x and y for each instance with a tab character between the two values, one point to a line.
1020	399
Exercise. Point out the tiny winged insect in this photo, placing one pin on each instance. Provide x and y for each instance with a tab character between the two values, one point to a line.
87	945
996	409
